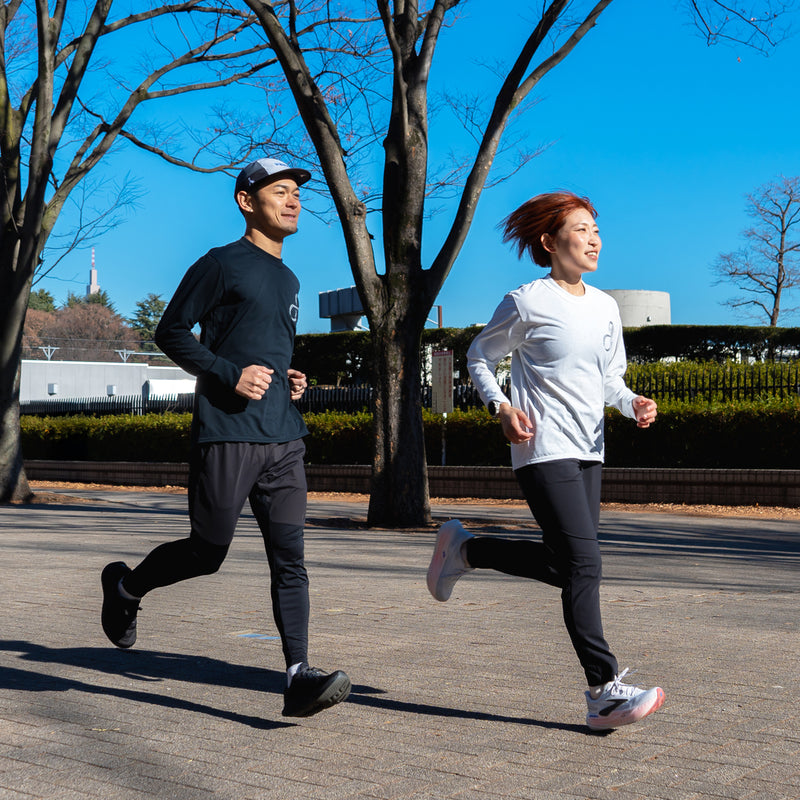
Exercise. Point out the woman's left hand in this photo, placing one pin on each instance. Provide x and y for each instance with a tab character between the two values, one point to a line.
645	411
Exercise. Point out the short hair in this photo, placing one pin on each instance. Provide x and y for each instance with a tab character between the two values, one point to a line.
543	214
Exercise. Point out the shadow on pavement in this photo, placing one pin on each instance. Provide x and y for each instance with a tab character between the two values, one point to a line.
151	667
147	666
358	697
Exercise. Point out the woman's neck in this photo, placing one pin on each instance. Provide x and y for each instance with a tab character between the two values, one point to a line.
574	286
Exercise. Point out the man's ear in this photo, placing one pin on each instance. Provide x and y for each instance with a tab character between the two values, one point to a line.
244	201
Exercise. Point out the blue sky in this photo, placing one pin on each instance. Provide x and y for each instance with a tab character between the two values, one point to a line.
665	134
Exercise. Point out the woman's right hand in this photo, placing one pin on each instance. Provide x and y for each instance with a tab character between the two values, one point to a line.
517	427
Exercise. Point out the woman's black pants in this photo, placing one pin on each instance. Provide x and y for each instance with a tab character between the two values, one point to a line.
564	497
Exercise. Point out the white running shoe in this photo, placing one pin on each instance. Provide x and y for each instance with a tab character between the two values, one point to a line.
447	564
620	704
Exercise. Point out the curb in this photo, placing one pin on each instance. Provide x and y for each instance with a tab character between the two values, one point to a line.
771	487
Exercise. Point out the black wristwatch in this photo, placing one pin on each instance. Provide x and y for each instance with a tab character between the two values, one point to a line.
494	408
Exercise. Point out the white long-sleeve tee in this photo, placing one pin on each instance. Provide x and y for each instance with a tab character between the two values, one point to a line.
567	364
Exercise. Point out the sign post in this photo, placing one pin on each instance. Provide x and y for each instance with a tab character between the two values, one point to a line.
442	390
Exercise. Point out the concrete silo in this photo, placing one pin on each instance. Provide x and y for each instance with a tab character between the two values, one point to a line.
640	307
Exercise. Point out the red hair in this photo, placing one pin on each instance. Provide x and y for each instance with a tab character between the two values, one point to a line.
543	214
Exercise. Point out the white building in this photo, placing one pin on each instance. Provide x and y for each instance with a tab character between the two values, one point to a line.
43	380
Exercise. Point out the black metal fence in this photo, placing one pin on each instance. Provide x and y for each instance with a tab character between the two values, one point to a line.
317	399
100	406
352	399
716	384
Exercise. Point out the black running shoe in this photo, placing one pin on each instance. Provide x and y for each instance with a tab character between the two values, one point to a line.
313	690
118	615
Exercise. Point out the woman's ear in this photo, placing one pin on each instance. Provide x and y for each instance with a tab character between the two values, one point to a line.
547	242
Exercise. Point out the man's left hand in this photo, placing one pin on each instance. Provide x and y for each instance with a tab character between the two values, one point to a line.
297	383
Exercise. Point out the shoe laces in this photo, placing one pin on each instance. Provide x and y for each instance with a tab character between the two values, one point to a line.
311	672
620	689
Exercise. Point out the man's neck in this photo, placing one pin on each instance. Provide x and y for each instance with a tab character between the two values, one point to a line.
271	246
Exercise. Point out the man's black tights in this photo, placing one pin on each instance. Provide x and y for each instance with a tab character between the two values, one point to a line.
175	561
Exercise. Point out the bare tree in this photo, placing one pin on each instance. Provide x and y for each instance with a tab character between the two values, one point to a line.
62	108
80	332
396	288
398	300
33	336
768	266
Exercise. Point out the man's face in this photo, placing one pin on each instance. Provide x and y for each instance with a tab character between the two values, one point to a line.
273	209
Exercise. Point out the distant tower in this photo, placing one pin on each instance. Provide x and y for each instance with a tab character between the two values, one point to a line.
94	286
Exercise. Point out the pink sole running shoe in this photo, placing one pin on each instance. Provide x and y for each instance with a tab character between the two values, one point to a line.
447	564
620	704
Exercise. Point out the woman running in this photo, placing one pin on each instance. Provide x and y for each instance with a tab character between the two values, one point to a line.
567	364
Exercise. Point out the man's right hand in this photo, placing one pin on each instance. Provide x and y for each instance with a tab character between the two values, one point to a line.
254	381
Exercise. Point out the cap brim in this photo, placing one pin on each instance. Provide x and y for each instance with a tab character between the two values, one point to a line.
299	176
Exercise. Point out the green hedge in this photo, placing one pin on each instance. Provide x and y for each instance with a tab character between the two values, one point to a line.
745	435
149	437
763	435
473	438
711	342
336	438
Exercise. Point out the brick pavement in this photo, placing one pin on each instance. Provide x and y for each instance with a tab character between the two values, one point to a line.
476	699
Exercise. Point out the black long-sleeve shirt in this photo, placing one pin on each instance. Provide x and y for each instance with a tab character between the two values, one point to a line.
246	302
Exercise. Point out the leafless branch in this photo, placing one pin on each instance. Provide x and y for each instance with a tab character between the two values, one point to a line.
92	220
760	25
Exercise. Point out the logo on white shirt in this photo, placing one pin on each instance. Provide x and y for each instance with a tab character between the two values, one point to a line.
608	339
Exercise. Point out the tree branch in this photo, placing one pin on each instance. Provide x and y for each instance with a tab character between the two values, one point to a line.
513	91
324	134
753	29
107	132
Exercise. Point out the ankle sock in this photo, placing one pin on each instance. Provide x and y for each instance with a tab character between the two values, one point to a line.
596	691
292	671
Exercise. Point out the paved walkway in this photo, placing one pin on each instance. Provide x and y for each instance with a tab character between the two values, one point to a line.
476	699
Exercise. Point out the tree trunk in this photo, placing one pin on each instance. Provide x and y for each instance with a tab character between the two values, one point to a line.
399	495
13	305
13	480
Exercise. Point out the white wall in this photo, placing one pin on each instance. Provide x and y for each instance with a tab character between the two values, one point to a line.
92	378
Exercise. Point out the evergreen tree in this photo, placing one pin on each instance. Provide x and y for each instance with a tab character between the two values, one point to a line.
100	298
146	318
72	300
41	300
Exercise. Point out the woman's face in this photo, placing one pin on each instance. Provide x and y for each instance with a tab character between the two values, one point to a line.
576	247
